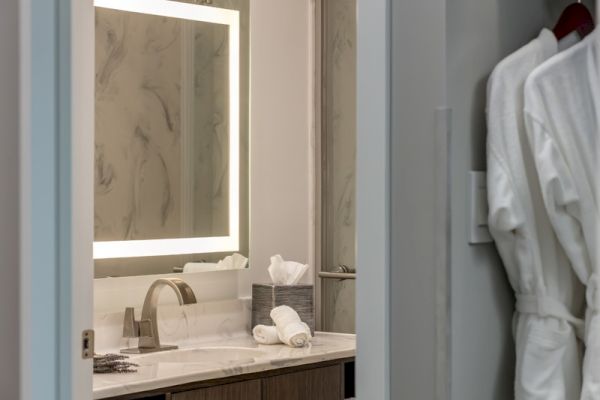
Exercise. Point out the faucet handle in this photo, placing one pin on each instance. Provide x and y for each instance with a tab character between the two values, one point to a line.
131	328
145	328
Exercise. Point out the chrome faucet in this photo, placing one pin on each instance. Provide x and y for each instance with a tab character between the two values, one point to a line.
146	329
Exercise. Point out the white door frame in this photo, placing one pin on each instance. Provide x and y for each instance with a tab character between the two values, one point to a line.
57	125
373	199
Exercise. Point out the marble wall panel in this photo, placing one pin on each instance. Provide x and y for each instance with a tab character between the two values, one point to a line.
340	141
137	138
162	132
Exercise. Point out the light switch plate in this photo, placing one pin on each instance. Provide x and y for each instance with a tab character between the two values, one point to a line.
478	208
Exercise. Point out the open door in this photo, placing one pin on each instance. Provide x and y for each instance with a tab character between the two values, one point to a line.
56	106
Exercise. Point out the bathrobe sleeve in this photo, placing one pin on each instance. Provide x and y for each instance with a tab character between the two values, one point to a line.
559	191
506	215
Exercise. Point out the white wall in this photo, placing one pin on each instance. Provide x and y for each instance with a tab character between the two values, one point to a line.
281	126
9	199
281	148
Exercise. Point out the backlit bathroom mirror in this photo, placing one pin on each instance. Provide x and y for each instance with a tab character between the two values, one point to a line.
171	137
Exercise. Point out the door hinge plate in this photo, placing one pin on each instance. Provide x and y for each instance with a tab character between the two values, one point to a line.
87	344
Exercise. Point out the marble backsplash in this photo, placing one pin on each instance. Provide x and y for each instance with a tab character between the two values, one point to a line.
204	321
219	312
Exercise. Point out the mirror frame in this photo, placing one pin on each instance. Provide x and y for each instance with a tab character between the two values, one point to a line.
194	245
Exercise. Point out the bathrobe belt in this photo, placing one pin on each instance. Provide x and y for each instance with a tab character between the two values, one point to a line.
544	306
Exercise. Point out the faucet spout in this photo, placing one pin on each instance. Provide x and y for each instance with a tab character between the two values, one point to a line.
149	339
185	294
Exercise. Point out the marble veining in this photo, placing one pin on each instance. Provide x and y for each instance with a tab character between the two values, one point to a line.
162	132
199	361
114	33
138	75
141	115
164	105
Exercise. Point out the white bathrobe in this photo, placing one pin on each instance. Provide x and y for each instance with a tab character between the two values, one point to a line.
548	293
562	100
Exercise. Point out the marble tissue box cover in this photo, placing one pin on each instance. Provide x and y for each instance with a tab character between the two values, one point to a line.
265	297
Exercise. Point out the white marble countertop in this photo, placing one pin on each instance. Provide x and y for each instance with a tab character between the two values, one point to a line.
201	361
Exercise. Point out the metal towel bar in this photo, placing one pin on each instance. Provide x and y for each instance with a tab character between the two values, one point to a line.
337	275
342	272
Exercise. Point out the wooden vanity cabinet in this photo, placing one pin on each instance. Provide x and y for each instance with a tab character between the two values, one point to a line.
247	390
315	384
329	380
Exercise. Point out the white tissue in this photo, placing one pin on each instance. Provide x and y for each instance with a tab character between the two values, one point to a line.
290	328
286	272
264	334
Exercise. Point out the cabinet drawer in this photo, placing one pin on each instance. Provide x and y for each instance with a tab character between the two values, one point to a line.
316	384
248	390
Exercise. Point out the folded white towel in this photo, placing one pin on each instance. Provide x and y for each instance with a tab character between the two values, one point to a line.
234	261
192	267
264	334
290	328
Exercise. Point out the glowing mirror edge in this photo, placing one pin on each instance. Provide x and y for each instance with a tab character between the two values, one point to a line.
164	247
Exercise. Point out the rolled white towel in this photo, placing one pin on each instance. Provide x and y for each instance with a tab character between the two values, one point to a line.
264	334
294	334
307	328
284	315
290	328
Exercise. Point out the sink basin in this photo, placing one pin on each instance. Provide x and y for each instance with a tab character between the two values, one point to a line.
204	355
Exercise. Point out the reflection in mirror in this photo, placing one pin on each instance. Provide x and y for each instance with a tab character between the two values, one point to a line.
171	163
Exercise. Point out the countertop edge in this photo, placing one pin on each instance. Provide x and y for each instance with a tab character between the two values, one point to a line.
263	365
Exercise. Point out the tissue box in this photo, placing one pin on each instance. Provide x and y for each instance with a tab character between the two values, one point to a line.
267	297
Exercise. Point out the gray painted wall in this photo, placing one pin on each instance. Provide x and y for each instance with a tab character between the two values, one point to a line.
9	199
451	307
479	34
418	88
